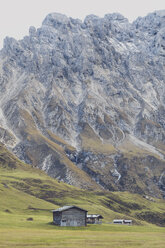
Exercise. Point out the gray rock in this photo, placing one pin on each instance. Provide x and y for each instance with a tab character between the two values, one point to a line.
92	83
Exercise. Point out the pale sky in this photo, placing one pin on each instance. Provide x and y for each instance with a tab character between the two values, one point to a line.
16	16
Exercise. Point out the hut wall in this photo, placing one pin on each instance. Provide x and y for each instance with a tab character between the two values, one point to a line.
57	216
74	217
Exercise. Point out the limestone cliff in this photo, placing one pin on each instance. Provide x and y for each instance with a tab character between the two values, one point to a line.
84	101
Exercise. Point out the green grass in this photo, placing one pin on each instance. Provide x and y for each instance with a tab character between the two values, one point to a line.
39	235
20	203
26	188
90	141
26	192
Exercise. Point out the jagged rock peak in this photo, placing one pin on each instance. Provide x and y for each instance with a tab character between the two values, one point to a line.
32	31
97	86
10	45
55	20
152	20
160	13
91	18
115	16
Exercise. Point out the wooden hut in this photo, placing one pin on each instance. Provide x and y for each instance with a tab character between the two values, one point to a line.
118	222
69	216
127	222
94	218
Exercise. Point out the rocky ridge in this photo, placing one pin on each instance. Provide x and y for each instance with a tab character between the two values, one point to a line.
84	101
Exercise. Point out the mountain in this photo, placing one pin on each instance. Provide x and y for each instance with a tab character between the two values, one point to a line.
27	192
84	101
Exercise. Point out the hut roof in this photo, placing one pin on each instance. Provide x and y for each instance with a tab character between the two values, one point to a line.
118	220
64	208
94	216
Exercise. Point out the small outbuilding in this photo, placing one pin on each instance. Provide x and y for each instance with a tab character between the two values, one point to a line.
94	219
122	222
70	216
118	222
128	222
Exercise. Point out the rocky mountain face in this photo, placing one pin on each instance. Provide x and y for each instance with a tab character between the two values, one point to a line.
84	101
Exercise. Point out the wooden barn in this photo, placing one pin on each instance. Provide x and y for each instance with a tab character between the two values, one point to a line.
94	219
69	216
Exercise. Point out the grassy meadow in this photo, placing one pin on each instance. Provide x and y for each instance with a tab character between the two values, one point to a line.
28	195
39	233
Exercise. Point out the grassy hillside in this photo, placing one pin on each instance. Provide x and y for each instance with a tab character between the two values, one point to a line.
24	189
27	196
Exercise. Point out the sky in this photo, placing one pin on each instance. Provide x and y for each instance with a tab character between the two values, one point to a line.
16	16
